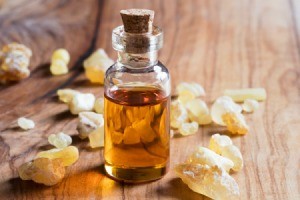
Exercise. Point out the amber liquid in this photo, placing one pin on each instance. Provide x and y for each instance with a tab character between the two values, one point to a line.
136	134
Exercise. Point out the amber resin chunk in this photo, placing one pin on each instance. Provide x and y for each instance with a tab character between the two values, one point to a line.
235	123
222	145
14	62
68	155
213	182
43	170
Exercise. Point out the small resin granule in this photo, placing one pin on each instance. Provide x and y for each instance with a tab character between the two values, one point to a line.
213	182
68	155
82	102
96	137
99	105
88	122
188	128
250	105
221	106
96	65
240	95
43	170
59	62
178	114
61	54
218	142
14	62
208	157
235	123
60	140
25	123
198	111
222	144
66	95
188	91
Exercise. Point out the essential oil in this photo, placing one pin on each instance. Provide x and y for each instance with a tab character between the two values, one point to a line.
137	102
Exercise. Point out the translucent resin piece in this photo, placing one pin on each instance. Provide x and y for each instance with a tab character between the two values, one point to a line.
59	62
96	65
58	67
206	156
217	142
213	182
82	102
189	91
43	170
66	95
88	122
221	106
250	105
61	54
223	146
14	62
25	124
198	111
240	95
99	105
96	137
178	114
60	140
188	128
235	123
68	155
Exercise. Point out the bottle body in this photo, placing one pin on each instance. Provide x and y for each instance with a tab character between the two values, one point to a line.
137	110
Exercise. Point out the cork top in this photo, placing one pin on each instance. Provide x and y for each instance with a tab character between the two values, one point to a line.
137	20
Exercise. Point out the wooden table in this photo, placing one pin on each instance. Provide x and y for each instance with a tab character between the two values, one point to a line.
220	44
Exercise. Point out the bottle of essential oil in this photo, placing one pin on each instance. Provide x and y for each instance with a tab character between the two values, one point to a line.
137	102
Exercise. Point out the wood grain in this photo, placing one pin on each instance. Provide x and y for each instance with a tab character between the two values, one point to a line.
220	44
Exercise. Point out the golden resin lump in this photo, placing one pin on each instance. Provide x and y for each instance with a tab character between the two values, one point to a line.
96	65
213	182
188	128
206	156
68	155
222	145
82	102
43	170
250	105
60	140
88	122
99	105
221	106
235	123
198	111
66	95
178	114
14	62
188	91
59	62
240	95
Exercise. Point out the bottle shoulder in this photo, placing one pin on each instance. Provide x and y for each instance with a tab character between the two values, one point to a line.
120	68
119	75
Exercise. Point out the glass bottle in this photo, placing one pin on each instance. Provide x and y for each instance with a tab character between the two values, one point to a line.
137	107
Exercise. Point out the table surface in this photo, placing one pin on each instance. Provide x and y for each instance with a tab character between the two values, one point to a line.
220	44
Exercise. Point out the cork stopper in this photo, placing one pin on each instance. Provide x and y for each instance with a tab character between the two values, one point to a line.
137	20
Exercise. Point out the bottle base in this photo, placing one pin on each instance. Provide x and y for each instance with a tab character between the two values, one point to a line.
135	175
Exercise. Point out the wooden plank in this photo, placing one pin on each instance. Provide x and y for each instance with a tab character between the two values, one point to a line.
220	44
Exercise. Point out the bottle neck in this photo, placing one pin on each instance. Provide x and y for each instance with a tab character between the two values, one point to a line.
138	60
